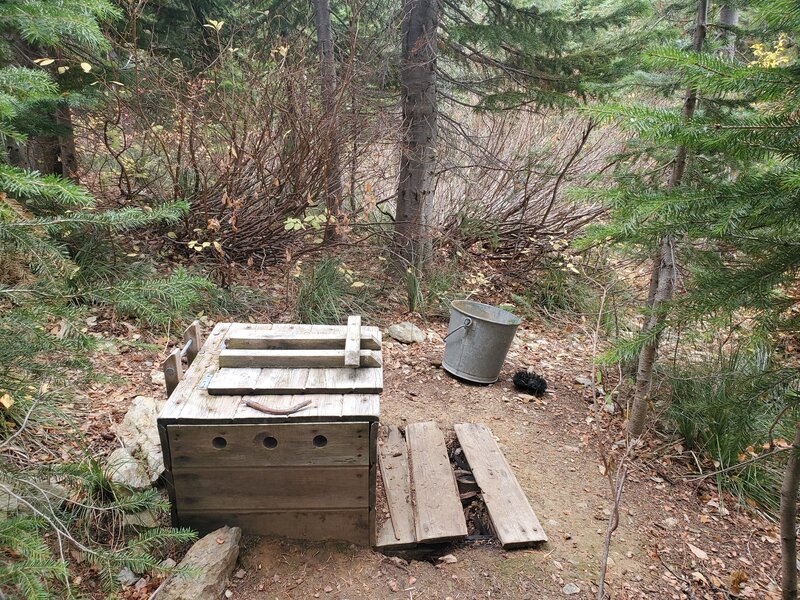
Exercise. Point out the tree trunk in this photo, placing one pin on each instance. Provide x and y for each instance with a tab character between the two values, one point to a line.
663	276
791	478
728	18
327	78
51	152
66	143
413	219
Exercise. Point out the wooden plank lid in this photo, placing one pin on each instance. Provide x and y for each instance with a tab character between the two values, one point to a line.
299	359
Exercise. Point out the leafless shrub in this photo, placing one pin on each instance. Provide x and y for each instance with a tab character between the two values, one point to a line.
244	140
502	176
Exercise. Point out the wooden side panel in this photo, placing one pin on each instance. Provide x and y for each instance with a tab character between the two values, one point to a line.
373	466
271	488
350	525
393	459
163	436
263	445
513	519
439	516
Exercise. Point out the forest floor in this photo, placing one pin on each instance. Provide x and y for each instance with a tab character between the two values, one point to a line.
676	538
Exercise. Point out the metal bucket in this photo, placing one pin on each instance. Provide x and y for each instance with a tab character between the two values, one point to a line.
477	341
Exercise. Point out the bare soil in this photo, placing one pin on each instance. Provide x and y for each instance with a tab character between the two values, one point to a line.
676	538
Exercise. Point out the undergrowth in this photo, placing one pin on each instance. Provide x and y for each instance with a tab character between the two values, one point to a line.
731	409
328	294
557	291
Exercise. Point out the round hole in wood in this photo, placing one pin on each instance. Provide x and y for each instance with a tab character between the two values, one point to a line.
270	442
219	442
320	441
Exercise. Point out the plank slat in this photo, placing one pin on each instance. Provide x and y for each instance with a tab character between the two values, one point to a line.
350	524
270	359
278	337
273	488
512	517
438	513
323	407
393	459
192	446
340	380
191	378
352	345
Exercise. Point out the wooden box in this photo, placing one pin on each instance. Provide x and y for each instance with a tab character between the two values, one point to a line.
306	474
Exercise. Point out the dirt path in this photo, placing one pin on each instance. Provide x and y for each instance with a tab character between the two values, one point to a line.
550	447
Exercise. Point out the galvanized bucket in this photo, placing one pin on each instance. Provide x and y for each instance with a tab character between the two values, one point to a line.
477	341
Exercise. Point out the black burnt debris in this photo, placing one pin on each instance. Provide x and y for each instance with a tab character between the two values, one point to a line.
530	383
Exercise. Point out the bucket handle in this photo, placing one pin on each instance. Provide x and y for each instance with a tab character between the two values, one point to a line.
467	323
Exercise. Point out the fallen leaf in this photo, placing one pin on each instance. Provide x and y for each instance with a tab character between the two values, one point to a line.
393	585
737	578
698	576
697	552
6	401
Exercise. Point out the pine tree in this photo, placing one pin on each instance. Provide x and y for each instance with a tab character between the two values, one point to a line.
735	220
59	254
507	55
514	54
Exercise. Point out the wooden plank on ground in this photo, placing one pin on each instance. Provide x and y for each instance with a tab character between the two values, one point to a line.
438	515
339	380
352	345
512	517
270	359
393	459
278	337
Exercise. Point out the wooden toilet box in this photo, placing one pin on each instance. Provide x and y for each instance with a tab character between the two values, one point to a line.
273	428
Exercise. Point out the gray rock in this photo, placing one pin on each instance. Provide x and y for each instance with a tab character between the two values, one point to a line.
126	576
610	408
157	377
585	381
209	564
571	589
406	332
146	519
139	434
36	491
126	470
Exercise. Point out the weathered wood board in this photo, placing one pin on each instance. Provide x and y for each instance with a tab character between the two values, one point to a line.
352	343
271	359
438	515
282	444
244	489
351	525
513	519
393	461
239	381
289	337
